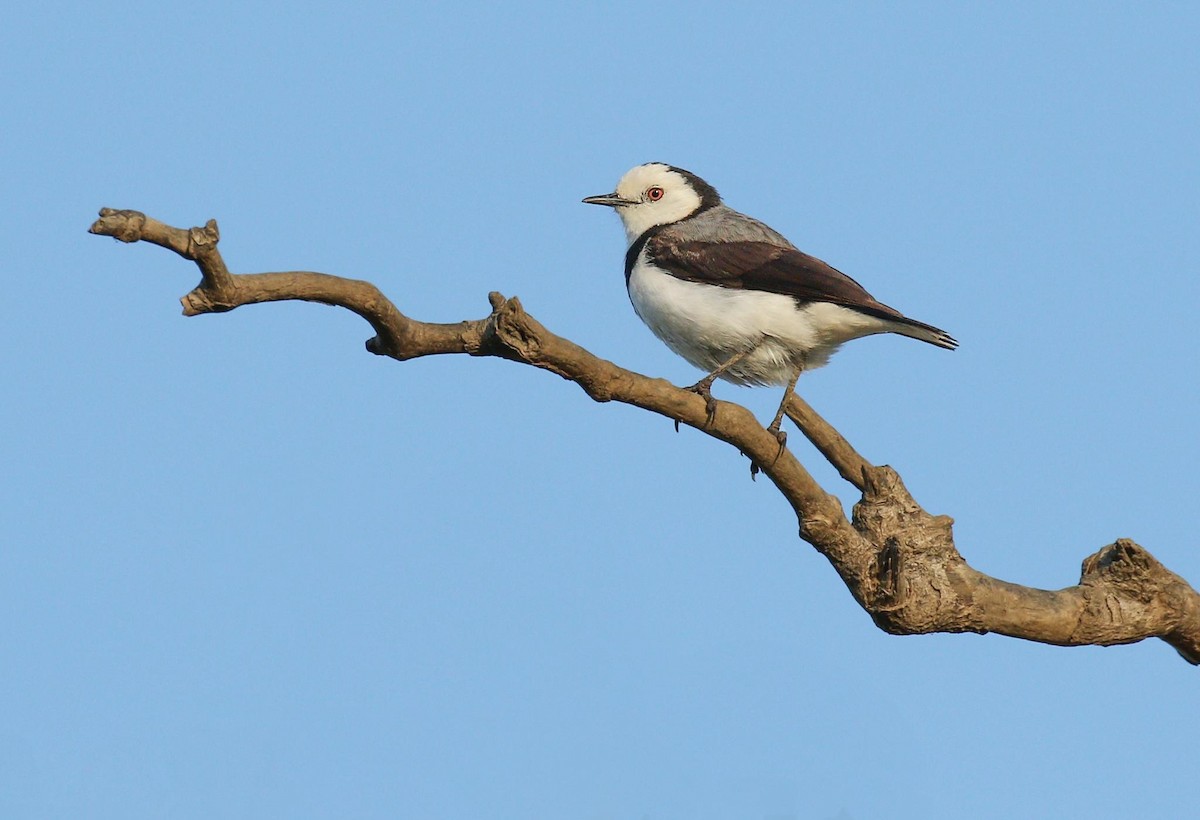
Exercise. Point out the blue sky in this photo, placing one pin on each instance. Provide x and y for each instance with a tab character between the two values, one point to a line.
248	570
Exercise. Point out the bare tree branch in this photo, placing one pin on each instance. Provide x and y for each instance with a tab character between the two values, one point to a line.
831	444
898	561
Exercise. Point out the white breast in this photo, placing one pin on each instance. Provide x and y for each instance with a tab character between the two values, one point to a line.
708	324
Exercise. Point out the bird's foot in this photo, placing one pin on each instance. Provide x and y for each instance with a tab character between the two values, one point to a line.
703	389
775	427
781	437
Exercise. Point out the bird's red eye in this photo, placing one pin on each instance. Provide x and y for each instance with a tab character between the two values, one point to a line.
654	194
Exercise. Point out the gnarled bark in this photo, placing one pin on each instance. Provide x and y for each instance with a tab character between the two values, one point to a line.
898	561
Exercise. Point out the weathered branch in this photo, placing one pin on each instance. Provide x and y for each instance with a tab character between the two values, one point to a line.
831	444
898	561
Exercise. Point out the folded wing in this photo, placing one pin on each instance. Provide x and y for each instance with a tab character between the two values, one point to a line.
777	269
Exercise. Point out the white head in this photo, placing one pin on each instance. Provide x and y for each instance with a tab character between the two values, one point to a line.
657	194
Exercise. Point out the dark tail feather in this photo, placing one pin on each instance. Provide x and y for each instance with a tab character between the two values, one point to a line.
908	327
926	333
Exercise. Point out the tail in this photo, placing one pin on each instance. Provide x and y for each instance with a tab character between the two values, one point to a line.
897	322
926	333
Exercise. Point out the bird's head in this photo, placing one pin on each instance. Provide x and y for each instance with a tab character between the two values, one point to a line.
657	194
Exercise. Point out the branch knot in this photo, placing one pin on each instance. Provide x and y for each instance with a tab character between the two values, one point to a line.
514	328
203	240
1124	564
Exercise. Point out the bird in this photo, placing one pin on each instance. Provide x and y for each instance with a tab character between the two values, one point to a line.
731	295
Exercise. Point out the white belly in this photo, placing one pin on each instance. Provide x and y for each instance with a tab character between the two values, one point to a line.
707	325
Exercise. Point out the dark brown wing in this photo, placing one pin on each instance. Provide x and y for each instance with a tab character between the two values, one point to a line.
767	267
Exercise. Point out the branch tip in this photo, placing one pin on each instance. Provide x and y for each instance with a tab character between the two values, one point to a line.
123	225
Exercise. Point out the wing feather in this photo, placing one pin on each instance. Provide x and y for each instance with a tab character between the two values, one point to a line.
764	266
777	269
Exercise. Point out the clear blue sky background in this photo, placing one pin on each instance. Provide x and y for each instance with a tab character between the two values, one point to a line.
249	570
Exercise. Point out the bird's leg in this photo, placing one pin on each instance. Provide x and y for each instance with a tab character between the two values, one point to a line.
777	421
703	388
774	426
